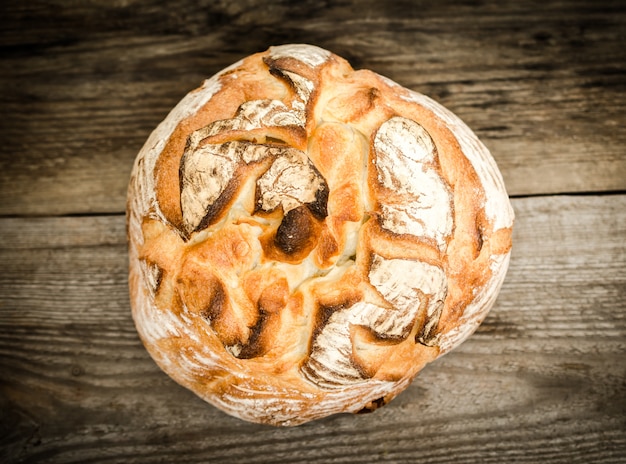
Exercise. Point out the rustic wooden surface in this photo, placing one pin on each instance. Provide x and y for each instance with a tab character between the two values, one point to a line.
82	84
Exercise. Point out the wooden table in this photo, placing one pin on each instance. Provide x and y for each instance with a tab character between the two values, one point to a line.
82	84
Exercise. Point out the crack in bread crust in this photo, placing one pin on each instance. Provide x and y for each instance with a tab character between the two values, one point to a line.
304	238
414	200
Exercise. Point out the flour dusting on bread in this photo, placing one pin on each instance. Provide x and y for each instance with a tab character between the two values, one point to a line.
304	238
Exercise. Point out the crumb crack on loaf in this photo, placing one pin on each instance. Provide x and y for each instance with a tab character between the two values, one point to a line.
304	237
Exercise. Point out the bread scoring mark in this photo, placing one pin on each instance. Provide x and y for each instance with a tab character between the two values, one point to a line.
329	364
406	142
303	89
242	344
271	301
253	347
416	200
207	172
415	292
262	113
497	205
206	296
319	207
477	309
291	181
298	72
152	274
142	188
411	287
217	302
251	115
204	174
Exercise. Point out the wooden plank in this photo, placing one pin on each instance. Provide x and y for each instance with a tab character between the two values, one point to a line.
543	379
83	86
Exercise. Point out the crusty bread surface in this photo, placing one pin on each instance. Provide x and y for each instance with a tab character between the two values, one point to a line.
305	237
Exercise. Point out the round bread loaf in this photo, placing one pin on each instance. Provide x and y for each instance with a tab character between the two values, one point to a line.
304	237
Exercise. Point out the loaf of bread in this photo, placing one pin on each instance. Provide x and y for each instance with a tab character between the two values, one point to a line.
304	237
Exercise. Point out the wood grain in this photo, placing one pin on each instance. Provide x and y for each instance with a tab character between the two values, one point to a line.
543	379
543	83
84	83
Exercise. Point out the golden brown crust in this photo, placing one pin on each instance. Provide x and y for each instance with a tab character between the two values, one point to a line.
304	237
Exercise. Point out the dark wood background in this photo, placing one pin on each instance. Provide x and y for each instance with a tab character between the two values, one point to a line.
82	85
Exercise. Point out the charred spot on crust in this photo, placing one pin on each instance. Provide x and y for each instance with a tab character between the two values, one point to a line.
258	202
269	304
373	406
153	274
426	337
217	302
274	70
254	347
159	278
323	315
378	337
372	94
479	238
481	234
427	334
325	311
296	231
283	75
280	73
319	208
